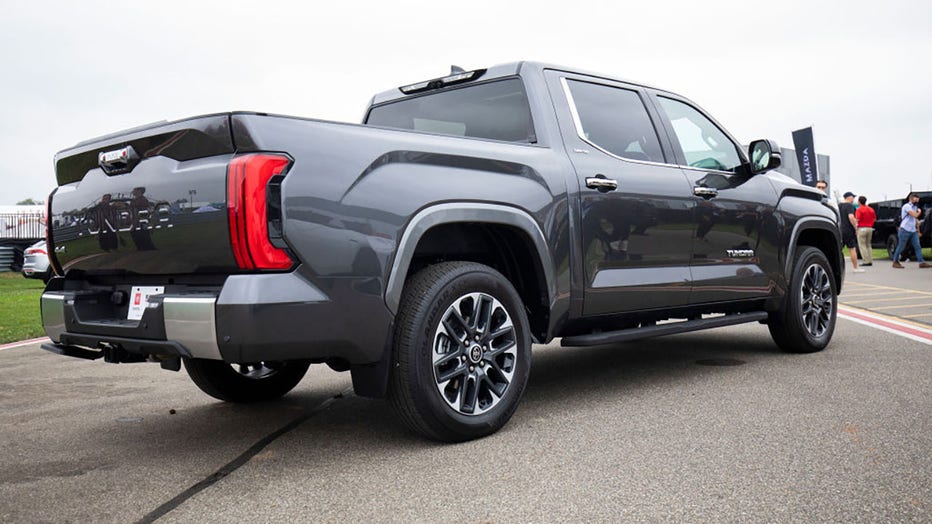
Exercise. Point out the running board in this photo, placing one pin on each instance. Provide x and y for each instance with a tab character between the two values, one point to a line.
627	335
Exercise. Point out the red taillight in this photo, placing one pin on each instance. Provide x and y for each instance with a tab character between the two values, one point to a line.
35	251
247	182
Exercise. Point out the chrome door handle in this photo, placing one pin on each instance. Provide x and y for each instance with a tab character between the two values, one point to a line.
705	192
601	183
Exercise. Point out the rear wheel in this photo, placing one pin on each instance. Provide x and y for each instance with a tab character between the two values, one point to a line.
254	382
462	352
806	320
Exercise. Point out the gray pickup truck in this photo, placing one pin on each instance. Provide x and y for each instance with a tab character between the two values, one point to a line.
425	251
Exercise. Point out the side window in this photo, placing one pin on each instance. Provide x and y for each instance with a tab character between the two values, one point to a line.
704	145
615	120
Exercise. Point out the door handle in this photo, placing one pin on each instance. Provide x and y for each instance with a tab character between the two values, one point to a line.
601	183
705	192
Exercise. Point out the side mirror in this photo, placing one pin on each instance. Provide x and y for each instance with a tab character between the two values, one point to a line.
765	155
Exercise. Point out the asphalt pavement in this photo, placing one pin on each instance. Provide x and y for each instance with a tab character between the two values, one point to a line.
644	431
902	293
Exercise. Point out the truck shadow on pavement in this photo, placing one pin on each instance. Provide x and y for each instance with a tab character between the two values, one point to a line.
323	427
562	380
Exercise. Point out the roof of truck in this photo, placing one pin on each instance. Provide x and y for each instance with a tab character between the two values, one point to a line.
503	70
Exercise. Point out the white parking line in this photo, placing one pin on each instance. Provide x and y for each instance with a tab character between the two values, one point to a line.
885	323
22	343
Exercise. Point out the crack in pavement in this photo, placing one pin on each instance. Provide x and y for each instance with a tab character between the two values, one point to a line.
239	461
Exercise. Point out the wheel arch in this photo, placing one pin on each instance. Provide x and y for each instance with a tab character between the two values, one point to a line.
511	242
822	234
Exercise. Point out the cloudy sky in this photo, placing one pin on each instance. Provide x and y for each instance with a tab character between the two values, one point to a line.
857	71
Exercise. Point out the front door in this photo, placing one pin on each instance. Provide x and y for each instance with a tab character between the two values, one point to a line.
735	229
635	210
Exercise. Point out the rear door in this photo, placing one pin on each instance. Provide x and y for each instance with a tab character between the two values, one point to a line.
735	232
635	211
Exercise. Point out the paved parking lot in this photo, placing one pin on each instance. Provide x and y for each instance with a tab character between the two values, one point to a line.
902	293
636	432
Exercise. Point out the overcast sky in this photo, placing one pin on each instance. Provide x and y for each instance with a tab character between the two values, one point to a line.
858	72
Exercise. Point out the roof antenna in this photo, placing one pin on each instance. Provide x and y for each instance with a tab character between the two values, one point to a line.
455	70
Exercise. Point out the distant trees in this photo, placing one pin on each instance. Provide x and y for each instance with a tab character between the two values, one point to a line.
30	202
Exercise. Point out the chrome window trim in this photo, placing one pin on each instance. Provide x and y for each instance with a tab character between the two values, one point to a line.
582	136
577	122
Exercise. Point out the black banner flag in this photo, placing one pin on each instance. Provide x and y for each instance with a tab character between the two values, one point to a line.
805	155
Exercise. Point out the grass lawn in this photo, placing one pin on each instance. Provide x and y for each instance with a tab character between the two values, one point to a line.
19	307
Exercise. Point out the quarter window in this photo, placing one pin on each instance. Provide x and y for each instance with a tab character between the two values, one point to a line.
616	120
704	145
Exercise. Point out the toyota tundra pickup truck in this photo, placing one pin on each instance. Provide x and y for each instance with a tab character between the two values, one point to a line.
427	249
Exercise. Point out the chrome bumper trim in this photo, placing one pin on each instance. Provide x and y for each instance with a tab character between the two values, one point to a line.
53	315
192	322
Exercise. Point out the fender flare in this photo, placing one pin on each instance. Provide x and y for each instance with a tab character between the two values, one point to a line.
454	212
811	222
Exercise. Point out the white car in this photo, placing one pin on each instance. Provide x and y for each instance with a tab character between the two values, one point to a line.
36	262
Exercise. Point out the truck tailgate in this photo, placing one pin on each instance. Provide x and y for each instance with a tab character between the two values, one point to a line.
150	201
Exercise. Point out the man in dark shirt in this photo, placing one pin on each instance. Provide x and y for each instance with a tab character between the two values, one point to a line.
849	236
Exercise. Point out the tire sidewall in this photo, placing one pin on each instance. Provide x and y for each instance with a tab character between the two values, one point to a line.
809	257
428	398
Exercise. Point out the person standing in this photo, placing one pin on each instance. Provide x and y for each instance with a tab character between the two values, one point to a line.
909	220
822	186
848	235
866	216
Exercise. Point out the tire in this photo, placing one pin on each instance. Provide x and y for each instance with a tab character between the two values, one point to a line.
462	352
806	320
244	383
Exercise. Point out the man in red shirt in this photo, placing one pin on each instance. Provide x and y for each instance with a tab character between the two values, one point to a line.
866	217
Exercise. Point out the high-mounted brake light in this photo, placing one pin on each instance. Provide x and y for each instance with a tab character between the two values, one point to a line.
437	83
247	207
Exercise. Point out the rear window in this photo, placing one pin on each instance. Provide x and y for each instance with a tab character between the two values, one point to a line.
496	110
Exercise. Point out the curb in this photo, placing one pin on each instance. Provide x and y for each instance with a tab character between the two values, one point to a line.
21	343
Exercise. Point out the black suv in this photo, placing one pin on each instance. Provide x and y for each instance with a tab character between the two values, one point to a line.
424	251
888	223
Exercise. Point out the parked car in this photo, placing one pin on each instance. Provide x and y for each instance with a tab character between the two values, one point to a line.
425	250
888	221
36	262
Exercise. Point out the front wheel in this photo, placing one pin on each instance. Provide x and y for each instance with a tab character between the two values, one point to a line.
462	352
242	383
806	319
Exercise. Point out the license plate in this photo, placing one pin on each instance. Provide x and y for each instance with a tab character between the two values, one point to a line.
139	300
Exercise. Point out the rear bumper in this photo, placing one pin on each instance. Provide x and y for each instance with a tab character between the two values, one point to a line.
188	324
33	269
252	318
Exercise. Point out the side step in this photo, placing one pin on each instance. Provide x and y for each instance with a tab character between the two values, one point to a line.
627	335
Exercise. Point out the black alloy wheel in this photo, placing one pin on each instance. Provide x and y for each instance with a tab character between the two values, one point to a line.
806	321
462	352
